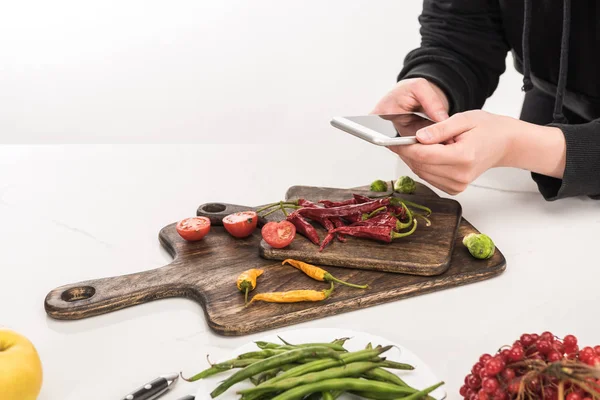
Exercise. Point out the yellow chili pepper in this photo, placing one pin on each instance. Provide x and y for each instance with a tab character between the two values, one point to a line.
293	296
246	282
319	273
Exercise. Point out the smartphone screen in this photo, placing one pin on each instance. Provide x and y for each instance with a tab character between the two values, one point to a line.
393	125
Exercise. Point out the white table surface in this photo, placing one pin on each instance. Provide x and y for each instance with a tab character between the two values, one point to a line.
70	213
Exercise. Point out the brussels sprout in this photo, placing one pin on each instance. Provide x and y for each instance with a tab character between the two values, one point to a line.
379	186
405	184
480	246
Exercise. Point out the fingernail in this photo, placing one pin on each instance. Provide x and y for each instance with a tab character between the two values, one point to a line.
424	134
442	115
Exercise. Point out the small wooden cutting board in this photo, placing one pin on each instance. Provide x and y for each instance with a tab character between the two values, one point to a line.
426	252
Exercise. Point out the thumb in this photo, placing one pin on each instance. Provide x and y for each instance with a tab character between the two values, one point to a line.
445	130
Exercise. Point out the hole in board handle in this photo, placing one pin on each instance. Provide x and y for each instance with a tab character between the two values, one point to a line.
78	293
214	208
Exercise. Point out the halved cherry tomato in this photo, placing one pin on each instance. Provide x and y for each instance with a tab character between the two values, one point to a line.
194	228
278	234
241	224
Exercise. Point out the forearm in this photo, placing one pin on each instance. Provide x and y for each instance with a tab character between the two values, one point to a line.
462	50
536	148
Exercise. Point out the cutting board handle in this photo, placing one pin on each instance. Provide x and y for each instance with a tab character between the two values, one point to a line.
99	296
217	211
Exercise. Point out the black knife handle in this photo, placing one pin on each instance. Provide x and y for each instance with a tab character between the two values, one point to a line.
151	390
188	397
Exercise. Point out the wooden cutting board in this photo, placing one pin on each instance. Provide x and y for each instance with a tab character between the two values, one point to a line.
206	272
426	252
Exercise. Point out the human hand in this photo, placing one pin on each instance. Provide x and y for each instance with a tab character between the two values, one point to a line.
481	141
414	95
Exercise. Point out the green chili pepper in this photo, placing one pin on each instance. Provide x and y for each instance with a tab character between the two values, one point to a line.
353	369
272	362
348	384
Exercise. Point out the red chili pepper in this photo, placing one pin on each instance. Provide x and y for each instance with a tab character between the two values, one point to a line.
330	204
325	222
383	219
344	211
327	240
305	203
338	224
304	227
375	232
361	199
353	218
398	211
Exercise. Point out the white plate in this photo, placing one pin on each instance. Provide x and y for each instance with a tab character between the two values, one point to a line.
419	378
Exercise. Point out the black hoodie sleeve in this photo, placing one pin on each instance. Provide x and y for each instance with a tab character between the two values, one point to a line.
463	50
581	176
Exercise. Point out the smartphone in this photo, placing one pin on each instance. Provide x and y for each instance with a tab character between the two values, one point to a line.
384	130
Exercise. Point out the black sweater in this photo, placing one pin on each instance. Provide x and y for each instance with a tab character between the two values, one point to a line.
555	44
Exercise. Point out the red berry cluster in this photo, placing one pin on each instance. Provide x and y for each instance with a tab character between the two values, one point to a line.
499	377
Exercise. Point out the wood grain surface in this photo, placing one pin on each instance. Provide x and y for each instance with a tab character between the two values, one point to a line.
206	272
426	252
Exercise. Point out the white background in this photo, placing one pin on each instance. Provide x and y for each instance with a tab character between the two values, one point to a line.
219	74
227	71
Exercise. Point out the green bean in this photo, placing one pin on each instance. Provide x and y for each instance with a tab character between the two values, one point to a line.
423	393
222	367
337	344
264	376
390	396
369	346
314	396
272	362
267	345
341	341
397	365
261	354
320	365
382	375
378	396
352	369
327	396
349	384
319	396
